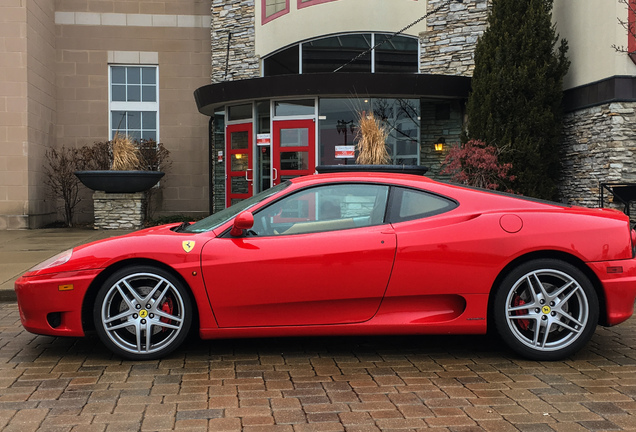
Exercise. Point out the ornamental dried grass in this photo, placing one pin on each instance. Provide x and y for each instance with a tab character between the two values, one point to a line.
126	155
371	136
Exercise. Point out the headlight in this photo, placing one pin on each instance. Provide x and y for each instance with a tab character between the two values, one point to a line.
57	260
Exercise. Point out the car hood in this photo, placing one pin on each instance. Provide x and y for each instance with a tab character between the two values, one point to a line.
160	244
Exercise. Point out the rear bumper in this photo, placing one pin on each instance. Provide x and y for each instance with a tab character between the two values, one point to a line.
49	306
618	279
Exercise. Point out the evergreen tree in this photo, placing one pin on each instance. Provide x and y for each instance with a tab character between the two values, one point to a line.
515	103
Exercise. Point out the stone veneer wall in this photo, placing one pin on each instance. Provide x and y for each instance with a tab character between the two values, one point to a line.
119	211
218	168
599	145
448	47
435	126
235	17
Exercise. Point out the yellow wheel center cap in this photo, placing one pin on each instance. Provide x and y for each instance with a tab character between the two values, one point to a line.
144	313
546	309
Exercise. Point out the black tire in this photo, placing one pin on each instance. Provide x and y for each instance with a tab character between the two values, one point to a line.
546	309
142	313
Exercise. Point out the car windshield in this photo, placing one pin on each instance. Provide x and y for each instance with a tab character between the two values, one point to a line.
217	219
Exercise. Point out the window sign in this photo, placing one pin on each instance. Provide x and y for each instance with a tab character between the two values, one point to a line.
345	152
264	139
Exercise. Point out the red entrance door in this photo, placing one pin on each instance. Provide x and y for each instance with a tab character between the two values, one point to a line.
238	163
293	149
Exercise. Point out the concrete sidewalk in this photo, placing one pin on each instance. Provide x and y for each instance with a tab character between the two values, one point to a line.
21	250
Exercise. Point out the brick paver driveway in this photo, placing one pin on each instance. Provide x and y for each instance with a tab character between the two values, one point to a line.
324	384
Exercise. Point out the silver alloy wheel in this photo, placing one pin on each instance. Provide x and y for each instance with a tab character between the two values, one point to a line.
547	310
143	313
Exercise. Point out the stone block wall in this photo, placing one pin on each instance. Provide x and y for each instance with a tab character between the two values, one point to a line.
448	46
440	119
119	211
599	145
238	58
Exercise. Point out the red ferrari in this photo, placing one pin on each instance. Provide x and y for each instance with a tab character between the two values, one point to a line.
345	254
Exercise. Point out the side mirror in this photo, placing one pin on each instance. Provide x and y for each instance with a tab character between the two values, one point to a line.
243	221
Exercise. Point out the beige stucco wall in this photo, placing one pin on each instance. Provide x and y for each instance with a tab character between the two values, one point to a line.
335	17
591	29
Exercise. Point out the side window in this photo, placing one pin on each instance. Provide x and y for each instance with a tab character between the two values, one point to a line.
408	204
324	208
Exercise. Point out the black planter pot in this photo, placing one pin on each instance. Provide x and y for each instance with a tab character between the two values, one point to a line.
119	181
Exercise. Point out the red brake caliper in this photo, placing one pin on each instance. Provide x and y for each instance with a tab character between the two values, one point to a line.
166	307
524	323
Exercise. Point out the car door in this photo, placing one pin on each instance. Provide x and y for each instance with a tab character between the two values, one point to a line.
320	256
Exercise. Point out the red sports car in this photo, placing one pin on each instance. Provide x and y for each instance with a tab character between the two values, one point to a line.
345	254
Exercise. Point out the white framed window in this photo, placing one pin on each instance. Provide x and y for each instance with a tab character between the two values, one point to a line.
134	101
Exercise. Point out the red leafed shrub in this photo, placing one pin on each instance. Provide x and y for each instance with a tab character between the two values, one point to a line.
477	164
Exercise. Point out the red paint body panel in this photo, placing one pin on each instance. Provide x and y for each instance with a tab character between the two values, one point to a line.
39	295
430	275
619	288
158	245
321	278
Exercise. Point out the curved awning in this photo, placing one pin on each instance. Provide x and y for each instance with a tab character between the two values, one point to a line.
212	96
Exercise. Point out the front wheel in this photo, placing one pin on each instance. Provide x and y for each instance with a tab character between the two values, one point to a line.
546	309
142	313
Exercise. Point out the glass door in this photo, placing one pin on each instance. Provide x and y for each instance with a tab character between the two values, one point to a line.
239	170
293	149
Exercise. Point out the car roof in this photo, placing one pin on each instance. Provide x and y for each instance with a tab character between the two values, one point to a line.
365	177
488	198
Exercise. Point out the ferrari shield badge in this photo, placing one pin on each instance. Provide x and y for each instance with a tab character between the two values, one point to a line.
187	245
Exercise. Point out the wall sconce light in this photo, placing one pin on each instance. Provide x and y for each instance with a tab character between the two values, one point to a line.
238	156
439	144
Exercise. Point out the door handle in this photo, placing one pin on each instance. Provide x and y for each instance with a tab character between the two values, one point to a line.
246	175
275	174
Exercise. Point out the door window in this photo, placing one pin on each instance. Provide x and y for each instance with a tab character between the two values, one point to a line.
324	208
293	150
239	163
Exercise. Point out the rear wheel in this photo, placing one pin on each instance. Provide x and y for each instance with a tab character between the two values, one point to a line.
546	309
142	313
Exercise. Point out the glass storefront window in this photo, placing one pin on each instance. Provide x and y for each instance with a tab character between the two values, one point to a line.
328	54
398	54
263	154
338	127
239	112
302	107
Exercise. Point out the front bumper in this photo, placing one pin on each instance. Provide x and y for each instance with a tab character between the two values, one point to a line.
51	304
618	279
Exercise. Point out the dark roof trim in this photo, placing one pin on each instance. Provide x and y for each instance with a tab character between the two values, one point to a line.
213	96
612	89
